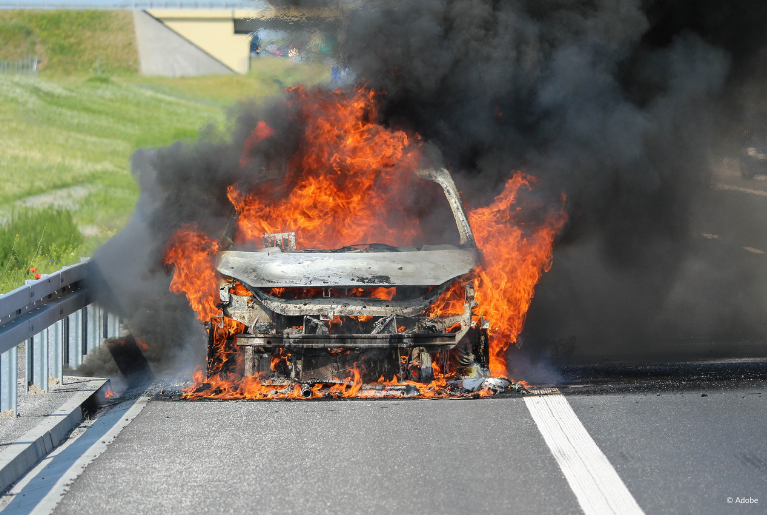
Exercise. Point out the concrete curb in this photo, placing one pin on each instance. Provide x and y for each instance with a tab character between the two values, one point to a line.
26	452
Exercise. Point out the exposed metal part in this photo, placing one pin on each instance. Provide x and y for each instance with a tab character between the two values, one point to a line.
315	326
281	240
442	177
263	328
387	325
494	384
246	310
419	365
342	341
349	306
347	269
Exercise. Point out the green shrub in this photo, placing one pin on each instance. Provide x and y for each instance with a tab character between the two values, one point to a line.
35	238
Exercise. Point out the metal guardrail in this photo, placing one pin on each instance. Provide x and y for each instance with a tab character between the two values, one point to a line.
25	66
126	5
56	319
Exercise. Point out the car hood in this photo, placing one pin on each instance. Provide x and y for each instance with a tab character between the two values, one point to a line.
272	268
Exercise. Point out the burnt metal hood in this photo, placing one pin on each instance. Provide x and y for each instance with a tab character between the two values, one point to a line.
272	268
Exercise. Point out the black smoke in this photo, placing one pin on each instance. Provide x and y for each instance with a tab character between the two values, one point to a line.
182	185
622	105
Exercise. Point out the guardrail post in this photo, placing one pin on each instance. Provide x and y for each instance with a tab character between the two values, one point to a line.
28	365
76	340
64	344
40	360
57	351
9	387
113	325
93	327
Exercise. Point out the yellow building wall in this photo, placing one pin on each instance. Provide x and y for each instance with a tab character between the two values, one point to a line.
212	31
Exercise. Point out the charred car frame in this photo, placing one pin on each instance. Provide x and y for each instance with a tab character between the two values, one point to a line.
313	315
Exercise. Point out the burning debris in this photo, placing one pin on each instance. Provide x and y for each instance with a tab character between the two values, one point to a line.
345	318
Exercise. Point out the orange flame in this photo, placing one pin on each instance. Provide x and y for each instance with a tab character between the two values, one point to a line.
222	358
349	171
374	293
515	256
449	303
240	290
281	356
193	256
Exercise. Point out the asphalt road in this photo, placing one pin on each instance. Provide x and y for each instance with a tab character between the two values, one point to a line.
675	449
326	457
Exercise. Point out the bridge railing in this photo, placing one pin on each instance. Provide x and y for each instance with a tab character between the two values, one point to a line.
126	5
26	66
57	321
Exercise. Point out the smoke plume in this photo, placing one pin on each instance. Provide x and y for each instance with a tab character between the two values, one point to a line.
619	105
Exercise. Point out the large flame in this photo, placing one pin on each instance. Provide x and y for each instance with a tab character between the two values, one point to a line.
516	253
341	184
193	255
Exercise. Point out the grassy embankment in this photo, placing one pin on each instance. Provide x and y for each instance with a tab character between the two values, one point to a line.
66	138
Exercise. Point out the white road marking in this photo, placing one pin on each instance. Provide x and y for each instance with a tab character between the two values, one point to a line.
43	487
753	250
593	479
728	187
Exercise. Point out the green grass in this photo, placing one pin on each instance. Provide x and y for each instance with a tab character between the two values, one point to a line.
71	42
77	134
36	240
58	134
268	76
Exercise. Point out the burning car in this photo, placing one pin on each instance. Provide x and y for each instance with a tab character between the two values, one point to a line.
311	315
344	273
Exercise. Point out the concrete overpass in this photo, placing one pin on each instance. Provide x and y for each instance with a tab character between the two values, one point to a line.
184	42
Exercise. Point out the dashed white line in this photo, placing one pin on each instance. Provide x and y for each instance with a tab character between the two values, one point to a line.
596	484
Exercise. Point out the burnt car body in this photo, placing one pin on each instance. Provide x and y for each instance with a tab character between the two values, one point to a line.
319	307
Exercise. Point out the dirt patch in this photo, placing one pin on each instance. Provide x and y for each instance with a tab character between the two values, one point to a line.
89	230
64	198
